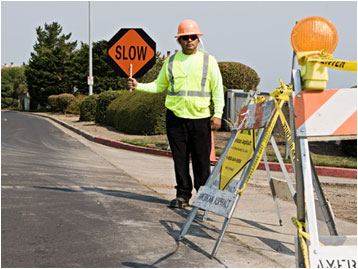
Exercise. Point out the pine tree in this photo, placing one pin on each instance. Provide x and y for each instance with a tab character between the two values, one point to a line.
13	83
104	76
49	68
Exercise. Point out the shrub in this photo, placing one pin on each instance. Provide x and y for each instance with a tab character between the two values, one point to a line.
138	113
349	147
103	101
53	102
75	106
61	102
238	76
88	108
64	100
9	102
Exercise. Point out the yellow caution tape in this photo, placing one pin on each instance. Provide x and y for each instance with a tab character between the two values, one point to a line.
280	94
336	64
286	129
260	99
325	59
301	226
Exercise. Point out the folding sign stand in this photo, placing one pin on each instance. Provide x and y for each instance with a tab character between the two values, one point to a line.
313	112
285	173
223	202
326	210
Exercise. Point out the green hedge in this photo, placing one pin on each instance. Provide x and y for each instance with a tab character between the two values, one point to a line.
138	113
349	147
103	101
88	108
60	103
64	100
238	76
9	102
53	102
75	107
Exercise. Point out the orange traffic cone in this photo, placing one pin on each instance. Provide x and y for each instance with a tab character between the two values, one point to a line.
212	153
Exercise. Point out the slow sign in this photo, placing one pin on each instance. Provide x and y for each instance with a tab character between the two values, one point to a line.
131	47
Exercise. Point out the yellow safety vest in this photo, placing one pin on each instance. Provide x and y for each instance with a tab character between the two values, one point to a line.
188	96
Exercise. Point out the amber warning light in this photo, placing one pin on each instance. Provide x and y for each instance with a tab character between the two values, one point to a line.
314	34
131	52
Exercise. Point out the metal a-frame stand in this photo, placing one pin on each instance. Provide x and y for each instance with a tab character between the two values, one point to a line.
230	196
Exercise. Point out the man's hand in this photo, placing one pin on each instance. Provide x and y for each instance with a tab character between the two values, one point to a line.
215	123
132	83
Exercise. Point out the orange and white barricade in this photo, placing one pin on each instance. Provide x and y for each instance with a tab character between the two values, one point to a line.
321	115
326	113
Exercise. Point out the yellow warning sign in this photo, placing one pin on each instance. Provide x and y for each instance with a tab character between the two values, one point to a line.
238	157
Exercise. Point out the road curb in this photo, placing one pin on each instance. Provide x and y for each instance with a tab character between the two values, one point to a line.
76	130
122	145
321	170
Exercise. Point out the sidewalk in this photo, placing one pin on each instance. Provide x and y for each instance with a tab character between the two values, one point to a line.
254	237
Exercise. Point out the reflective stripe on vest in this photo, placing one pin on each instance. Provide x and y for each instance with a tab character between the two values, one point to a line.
202	93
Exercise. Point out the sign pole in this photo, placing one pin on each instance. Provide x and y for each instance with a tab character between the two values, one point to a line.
90	80
130	73
300	191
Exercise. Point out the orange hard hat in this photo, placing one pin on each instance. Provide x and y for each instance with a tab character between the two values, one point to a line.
314	34
188	27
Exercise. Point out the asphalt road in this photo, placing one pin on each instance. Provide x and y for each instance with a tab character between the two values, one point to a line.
63	205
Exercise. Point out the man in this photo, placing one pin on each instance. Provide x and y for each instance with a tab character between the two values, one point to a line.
192	78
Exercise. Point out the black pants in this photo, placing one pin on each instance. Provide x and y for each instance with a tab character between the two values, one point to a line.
189	137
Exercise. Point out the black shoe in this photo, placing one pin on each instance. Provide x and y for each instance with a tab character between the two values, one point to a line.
179	202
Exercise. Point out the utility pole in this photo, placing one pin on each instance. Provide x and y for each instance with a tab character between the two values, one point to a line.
90	77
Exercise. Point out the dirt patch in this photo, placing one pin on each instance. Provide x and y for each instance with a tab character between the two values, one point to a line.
343	199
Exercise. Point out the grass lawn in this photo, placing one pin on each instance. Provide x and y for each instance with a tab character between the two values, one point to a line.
324	158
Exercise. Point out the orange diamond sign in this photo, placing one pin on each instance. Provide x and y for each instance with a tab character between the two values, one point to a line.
131	47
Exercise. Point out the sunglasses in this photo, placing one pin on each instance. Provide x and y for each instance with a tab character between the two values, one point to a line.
186	37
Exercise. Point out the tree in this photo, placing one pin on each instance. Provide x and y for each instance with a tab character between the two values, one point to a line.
49	68
80	69
104	76
152	73
13	83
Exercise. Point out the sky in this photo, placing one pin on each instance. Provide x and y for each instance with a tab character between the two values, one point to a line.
253	33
